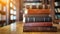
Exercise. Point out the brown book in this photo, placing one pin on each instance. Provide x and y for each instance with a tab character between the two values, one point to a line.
28	6
38	11
39	29
39	24
34	7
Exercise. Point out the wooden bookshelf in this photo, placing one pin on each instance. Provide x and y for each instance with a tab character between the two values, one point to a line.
57	11
2	14
12	13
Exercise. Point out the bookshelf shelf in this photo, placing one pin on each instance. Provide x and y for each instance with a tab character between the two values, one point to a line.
57	0
57	13
57	20
57	6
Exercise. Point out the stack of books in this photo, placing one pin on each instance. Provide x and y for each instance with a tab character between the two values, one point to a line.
37	20
36	23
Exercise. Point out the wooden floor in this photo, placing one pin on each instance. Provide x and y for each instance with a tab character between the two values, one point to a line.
17	28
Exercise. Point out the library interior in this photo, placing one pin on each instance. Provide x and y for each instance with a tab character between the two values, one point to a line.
29	16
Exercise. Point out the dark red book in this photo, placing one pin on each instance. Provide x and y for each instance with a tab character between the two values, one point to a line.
39	24
39	29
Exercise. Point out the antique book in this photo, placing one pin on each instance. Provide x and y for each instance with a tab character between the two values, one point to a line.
38	11
38	24
39	29
38	19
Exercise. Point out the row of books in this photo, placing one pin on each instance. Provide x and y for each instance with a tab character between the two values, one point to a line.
35	1
57	16
38	19
57	3
32	1
35	6
39	29
57	10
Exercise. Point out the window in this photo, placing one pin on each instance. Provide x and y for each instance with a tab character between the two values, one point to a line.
4	8
11	5
14	7
12	10
0	7
12	17
3	17
0	17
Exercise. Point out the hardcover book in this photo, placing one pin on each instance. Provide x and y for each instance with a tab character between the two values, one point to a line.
39	29
38	24
38	19
38	11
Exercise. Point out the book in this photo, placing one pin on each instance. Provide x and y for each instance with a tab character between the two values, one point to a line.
38	24
38	19
57	16
58	10
38	11
57	3
32	1
29	19
39	29
34	7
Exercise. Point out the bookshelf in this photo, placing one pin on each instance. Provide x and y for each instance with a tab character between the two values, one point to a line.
12	11
3	10
57	11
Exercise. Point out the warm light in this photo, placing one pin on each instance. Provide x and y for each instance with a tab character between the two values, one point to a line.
4	1
0	7
11	4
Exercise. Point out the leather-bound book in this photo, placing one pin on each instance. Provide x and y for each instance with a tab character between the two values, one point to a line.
38	11
27	6
38	24
39	19
29	19
48	19
39	29
34	7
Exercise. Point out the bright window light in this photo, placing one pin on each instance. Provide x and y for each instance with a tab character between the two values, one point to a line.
11	4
